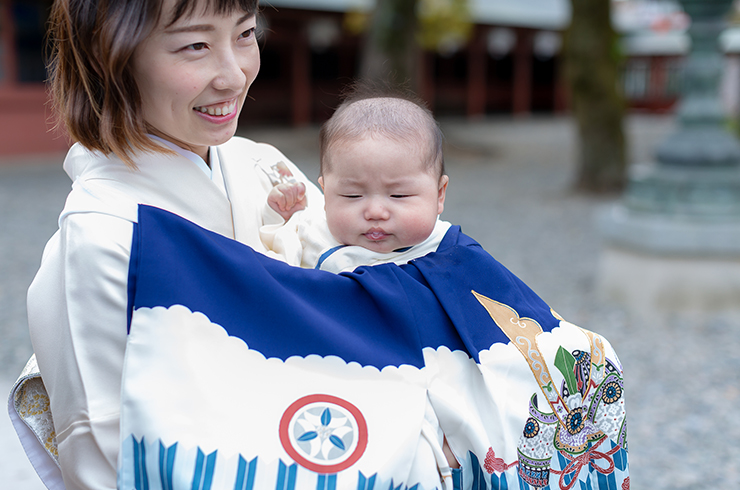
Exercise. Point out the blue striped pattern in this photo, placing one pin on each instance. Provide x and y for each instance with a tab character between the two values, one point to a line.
364	483
286	477
457	478
203	474
141	479
587	485
607	482
498	482
166	465
245	474
175	466
479	476
326	482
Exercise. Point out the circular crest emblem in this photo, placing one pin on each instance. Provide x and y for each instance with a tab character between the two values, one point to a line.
323	433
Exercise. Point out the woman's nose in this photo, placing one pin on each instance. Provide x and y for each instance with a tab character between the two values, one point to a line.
230	73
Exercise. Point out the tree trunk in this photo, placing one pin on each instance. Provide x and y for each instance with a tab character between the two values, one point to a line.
592	72
390	53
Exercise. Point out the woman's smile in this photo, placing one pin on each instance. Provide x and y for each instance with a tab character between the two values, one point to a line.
217	109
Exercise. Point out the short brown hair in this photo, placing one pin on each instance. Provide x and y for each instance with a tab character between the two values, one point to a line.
387	111
93	90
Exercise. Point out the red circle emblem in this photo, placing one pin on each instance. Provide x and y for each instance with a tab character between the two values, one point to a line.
323	433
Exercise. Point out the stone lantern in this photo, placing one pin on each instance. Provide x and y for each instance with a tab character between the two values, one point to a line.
673	242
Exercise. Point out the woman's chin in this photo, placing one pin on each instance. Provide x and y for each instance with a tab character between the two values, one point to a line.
224	134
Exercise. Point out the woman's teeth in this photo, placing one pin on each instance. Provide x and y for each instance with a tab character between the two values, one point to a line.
217	111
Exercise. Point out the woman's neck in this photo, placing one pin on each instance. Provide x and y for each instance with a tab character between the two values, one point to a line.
201	151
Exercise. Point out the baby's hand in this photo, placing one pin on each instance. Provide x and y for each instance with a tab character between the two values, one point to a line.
286	199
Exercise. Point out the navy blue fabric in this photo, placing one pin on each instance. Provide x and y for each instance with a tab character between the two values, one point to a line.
379	316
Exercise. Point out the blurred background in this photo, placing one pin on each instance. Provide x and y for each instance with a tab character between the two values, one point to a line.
591	146
471	58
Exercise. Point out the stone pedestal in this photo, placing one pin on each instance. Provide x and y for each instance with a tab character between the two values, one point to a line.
673	243
657	266
653	286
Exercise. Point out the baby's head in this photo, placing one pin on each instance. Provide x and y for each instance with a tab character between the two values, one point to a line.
382	171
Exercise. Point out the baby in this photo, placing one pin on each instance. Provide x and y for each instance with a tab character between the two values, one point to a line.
384	182
382	172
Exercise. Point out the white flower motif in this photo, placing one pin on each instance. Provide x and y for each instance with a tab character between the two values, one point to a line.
323	432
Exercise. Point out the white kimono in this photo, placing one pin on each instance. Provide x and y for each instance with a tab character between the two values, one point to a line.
77	302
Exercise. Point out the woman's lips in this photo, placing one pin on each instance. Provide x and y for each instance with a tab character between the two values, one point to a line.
217	114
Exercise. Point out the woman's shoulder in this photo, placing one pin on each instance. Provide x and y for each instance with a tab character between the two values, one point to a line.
100	199
87	232
237	145
241	143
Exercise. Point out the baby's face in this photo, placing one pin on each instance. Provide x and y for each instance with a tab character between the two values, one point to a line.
379	195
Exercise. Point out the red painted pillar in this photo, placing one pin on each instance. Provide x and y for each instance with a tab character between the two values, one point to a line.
7	42
427	87
522	90
561	95
477	60
300	77
657	80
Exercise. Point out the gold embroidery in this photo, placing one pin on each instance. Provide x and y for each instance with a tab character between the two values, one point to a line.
556	315
31	403
597	358
523	334
36	404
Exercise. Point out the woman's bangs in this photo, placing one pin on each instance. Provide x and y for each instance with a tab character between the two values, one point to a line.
185	8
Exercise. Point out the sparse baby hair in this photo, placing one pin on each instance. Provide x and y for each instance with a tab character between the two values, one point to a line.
371	109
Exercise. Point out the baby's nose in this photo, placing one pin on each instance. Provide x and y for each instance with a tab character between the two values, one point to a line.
376	210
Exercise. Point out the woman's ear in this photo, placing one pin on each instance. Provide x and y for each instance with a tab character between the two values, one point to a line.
443	181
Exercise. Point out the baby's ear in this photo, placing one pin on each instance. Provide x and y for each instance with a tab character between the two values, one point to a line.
443	181
321	182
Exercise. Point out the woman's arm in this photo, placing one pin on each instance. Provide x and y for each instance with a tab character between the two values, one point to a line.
77	319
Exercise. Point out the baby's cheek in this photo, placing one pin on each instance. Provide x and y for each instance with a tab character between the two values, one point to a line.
421	228
337	223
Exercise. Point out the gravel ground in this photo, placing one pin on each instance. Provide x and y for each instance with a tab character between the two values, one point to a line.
511	189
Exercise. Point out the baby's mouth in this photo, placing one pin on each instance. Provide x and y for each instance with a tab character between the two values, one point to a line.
217	110
375	235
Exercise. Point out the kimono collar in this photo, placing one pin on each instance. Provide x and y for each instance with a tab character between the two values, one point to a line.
105	184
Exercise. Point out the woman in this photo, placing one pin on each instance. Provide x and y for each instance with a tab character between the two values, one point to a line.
151	91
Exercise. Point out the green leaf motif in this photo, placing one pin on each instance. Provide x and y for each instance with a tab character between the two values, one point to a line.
565	362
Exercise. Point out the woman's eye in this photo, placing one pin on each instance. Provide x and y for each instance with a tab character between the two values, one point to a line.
248	34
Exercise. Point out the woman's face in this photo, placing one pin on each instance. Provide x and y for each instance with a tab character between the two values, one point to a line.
193	76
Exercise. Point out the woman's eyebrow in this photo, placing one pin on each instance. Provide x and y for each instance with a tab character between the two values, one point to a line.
193	28
203	27
244	18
